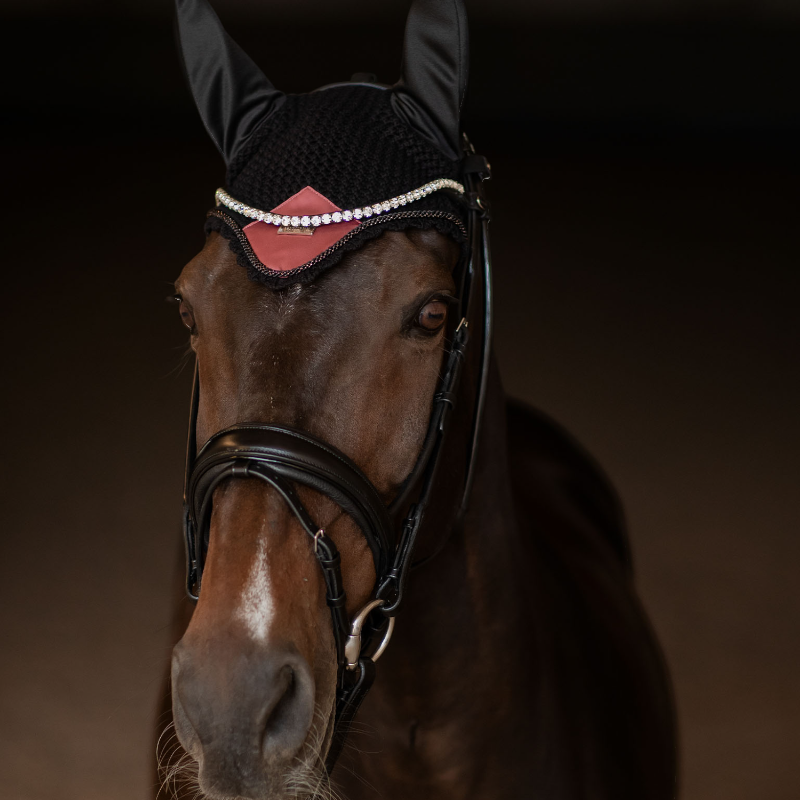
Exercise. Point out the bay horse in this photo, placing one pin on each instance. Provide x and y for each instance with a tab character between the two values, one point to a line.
522	664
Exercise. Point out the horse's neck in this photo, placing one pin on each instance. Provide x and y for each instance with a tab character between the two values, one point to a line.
522	665
452	701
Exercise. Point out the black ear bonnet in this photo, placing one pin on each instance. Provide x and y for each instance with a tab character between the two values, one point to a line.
355	144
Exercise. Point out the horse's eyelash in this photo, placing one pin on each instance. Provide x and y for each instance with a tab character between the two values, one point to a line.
440	298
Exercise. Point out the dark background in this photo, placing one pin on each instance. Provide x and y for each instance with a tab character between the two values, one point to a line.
646	257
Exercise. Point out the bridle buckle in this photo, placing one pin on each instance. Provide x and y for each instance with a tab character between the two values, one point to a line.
352	647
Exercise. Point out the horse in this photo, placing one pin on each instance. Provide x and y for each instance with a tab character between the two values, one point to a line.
521	663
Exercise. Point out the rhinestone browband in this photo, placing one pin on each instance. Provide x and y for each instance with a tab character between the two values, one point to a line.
315	220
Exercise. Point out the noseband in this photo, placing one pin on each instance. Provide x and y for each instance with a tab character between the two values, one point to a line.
282	456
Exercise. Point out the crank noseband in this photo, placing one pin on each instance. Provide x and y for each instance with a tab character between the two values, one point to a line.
281	456
277	454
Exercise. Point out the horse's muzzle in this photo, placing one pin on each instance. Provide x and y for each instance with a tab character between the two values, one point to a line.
243	715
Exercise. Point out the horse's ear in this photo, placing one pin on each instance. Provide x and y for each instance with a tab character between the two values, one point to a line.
434	74
231	92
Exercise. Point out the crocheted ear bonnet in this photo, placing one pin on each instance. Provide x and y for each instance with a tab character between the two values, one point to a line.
313	176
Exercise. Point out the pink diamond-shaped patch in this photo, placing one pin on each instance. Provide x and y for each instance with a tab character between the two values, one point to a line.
281	251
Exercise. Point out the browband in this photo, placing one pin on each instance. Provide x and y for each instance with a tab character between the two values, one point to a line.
314	220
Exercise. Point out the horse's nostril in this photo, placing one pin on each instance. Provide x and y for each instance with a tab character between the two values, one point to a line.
289	719
184	727
281	712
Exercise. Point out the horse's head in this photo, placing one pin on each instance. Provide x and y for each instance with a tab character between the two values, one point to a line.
353	359
351	355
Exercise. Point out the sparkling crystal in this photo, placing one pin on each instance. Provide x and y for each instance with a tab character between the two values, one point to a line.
386	205
347	215
367	212
395	202
336	216
417	194
377	208
403	199
295	221
305	221
316	221
277	220
358	213
268	218
326	219
286	221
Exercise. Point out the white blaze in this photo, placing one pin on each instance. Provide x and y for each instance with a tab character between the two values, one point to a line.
257	607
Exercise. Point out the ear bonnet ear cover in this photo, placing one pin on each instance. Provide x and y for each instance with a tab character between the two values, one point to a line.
341	147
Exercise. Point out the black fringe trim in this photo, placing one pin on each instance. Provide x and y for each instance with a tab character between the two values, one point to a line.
309	274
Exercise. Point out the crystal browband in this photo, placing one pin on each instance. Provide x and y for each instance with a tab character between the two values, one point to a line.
315	220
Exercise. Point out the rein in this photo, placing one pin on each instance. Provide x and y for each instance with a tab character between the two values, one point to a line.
281	456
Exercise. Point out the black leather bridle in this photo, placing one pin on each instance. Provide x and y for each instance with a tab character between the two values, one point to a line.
282	456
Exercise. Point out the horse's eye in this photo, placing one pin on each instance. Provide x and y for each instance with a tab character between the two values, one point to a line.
187	318
433	315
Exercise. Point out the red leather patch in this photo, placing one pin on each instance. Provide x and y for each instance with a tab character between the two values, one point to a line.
283	252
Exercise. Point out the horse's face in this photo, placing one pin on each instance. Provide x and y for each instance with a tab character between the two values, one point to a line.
353	359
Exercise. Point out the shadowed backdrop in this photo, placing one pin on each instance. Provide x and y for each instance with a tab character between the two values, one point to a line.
646	264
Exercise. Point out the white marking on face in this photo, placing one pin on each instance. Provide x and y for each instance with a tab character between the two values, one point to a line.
257	607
